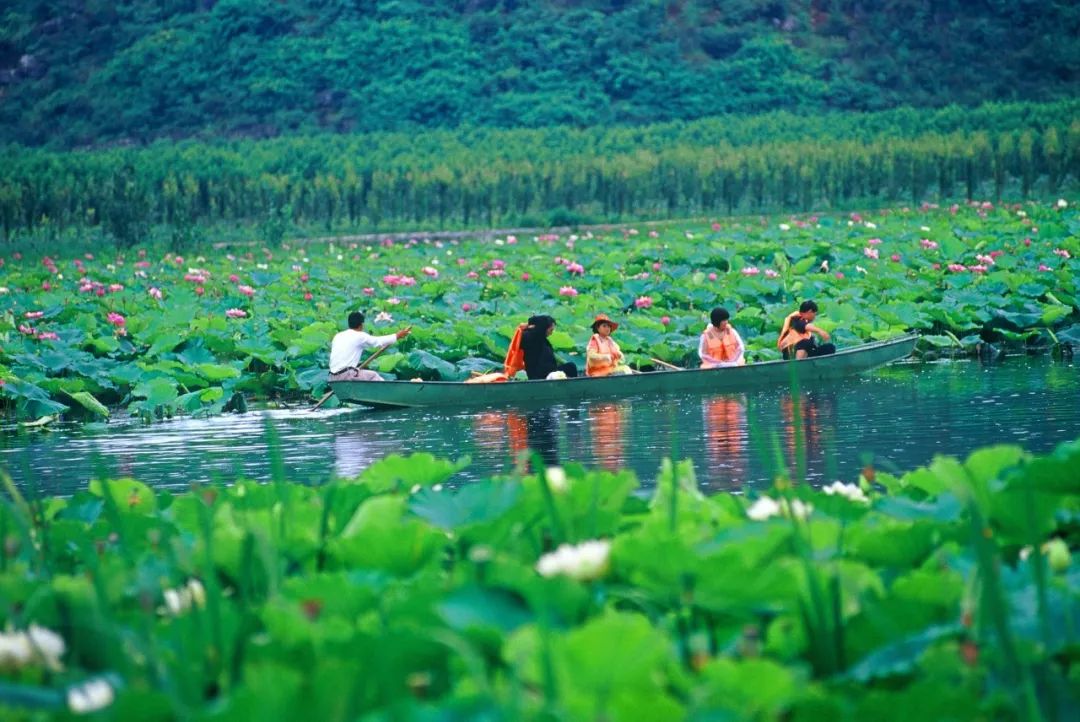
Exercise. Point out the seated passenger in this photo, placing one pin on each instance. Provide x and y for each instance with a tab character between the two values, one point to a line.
808	311
720	343
348	345
602	354
799	341
538	354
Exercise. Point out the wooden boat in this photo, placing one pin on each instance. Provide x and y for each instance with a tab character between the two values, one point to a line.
846	362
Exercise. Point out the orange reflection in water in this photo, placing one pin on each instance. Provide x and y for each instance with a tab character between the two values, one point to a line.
806	418
607	426
501	433
725	437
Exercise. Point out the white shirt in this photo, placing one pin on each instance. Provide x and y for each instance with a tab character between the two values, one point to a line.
348	345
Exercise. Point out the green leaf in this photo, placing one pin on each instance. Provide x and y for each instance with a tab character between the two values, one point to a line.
90	403
902	656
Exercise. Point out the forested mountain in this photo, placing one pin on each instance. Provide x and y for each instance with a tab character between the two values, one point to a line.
93	72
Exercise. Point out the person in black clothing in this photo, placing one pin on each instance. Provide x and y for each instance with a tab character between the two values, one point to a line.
539	355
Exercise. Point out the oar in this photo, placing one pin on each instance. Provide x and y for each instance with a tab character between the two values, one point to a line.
665	364
364	365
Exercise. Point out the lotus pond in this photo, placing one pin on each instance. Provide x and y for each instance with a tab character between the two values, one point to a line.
947	592
160	334
895	418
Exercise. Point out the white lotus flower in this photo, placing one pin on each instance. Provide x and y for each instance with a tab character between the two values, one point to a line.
179	601
825	265
48	645
556	478
90	696
583	562
384	317
15	650
785	227
870	225
924	229
1021	214
766	508
851	492
1062	203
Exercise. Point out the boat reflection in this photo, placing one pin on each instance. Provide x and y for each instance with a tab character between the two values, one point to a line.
726	437
809	422
512	434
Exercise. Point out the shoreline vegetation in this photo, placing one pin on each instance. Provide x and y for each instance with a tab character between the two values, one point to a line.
950	591
161	333
182	192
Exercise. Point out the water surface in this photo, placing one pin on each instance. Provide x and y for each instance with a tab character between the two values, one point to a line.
895	418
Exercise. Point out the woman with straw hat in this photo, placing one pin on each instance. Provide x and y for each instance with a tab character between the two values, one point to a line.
602	354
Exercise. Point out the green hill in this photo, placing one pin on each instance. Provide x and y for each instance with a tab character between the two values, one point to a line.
91	72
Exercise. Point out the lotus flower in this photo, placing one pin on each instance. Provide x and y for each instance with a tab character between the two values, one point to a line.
870	252
584	562
656	265
116	319
1062	203
525	277
770	273
384	317
643	302
246	290
429	271
1044	267
308	296
874	242
851	492
236	313
47	336
45	285
750	271
928	244
957	267
34	314
766	508
712	276
575	268
665	320
1062	252
233	278
155	293
496	272
569	291
466	307
368	291
895	258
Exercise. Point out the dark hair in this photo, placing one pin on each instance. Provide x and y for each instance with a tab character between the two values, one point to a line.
718	315
799	324
541	323
356	319
808	306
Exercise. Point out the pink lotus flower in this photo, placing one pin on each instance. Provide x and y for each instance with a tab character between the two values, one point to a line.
429	271
525	277
308	296
653	234
643	302
34	314
498	264
116	319
511	240
195	277
980	268
461	261
236	313
895	258
99	290
957	267
984	259
928	244
27	329
996	254
937	266
393	300
770	273
716	226
472	274
568	291
246	290
368	291
874	242
115	288
576	268
142	264
304	277
155	293
496	272
656	266
233	278
1044	267
712	276
466	307
839	275
665	320
1027	242
45	285
1062	252
870	252
750	271
47	336
199	290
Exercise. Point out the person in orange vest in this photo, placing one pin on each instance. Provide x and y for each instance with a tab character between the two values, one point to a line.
799	340
602	354
720	343
808	311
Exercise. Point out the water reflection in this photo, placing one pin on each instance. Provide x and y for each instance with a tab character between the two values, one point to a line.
726	437
900	416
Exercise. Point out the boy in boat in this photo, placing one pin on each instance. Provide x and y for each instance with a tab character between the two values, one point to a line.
720	343
602	354
808	311
799	340
348	345
539	356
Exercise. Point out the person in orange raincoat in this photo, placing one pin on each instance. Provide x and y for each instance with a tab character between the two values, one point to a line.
602	354
720	343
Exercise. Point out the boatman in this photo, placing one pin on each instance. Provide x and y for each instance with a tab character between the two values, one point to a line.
348	345
808	311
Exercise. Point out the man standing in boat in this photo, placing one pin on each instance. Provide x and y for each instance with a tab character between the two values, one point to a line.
349	345
807	312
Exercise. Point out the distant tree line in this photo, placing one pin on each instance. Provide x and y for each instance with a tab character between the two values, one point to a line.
495	177
79	73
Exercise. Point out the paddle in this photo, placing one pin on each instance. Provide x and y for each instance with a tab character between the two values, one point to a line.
665	364
370	358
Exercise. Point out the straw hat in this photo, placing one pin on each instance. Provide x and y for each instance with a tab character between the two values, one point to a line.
602	318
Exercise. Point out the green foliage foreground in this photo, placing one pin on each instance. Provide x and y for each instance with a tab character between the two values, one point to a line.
945	593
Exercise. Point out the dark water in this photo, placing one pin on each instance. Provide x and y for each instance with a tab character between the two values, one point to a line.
897	418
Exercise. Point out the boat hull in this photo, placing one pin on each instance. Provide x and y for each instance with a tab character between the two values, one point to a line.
428	394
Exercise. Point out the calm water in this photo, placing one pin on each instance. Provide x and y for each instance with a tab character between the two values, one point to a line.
896	418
